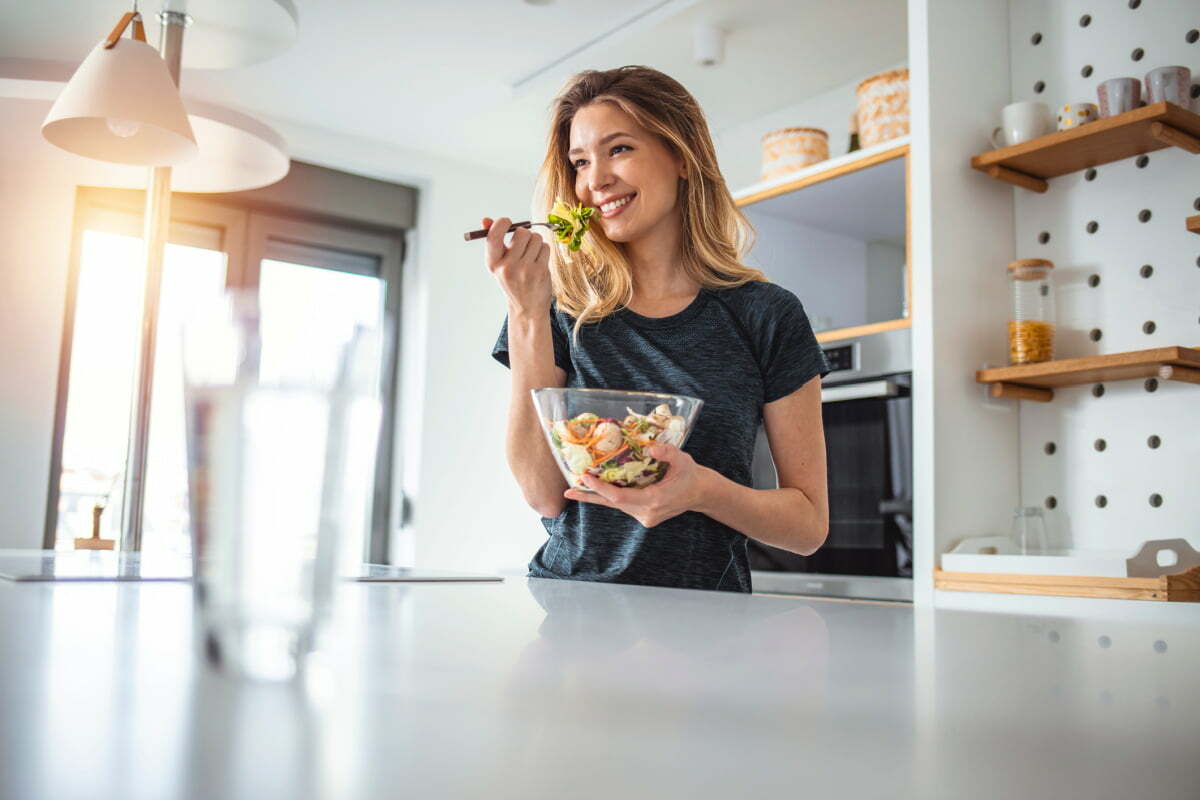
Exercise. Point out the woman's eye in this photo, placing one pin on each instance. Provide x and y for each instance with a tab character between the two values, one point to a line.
619	147
579	163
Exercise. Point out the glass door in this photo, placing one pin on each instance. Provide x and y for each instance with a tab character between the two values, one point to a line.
103	347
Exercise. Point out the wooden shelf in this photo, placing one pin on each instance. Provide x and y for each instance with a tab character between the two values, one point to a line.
1193	224
1133	133
1184	587
822	171
1037	381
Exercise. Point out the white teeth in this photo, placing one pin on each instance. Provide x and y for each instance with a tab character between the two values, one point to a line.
616	203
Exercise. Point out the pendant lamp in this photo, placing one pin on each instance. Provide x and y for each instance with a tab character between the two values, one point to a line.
122	105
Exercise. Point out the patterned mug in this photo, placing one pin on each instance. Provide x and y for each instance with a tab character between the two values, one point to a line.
1119	95
1172	84
1072	115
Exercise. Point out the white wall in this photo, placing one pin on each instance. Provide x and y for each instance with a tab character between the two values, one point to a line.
964	447
827	271
37	200
468	514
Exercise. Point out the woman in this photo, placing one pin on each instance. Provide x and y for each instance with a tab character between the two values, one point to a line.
659	301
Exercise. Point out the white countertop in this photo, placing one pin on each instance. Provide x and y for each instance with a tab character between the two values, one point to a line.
534	688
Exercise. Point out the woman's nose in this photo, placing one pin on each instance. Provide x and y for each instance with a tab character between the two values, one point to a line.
600	179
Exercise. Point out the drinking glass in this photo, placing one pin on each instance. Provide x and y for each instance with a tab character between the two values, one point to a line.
282	422
1029	530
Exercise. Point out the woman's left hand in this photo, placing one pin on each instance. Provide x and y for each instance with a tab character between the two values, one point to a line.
679	491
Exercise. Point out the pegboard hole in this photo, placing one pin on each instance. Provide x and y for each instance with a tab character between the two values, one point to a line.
1154	442
1044	237
1144	215
1196	205
1051	502
1036	39
1160	646
1039	87
1085	20
1095	334
1134	3
1049	448
1101	501
1093	281
1086	71
1149	327
1104	642
1151	385
1195	90
1090	175
1142	161
1137	54
1146	271
1098	390
1192	36
1093	226
1100	445
1156	500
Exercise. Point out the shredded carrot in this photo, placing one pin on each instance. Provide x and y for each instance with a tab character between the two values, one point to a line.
600	459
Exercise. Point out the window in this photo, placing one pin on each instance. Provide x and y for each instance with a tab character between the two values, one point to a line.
350	275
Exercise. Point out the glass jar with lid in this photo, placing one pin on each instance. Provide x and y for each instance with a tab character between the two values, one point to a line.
1031	325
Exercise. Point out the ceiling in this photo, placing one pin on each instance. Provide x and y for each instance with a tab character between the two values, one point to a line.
450	78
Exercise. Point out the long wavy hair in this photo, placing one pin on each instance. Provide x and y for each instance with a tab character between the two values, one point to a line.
598	279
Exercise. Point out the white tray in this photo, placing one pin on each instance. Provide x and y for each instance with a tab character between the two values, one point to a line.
997	554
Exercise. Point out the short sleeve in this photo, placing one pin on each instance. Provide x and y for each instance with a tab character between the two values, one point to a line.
789	351
558	334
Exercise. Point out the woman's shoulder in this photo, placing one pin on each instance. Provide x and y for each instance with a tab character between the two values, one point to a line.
760	300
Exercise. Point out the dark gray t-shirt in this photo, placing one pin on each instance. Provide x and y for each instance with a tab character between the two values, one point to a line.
735	349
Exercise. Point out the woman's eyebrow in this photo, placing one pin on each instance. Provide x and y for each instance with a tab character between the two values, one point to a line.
607	138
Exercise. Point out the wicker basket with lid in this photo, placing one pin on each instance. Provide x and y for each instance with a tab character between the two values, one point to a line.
882	107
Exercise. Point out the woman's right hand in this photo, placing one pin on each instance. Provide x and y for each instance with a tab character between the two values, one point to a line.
522	266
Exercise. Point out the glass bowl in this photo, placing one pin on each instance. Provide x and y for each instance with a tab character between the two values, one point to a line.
606	432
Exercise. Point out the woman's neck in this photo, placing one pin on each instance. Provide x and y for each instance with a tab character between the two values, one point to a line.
658	273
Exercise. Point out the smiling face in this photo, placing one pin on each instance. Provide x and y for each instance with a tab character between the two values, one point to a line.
625	171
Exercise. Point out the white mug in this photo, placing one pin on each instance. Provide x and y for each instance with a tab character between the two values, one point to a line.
1021	122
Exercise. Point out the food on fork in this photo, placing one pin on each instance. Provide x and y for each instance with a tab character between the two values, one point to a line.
570	224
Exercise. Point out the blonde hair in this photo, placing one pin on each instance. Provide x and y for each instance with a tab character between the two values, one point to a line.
598	280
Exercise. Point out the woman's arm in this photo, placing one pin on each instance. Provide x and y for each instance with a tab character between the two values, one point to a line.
531	356
795	516
522	269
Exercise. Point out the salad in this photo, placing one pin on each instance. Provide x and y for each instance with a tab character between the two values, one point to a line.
570	224
615	450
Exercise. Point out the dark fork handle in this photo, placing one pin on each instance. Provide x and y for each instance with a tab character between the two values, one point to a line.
483	232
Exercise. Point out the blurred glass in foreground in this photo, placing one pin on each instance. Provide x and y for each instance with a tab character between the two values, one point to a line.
282	423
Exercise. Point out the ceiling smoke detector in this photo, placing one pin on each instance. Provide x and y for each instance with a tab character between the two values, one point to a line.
708	44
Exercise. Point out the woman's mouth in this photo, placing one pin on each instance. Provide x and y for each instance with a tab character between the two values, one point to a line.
611	209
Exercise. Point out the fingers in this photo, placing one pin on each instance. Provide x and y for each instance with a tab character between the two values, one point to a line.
664	452
495	240
587	497
613	494
518	248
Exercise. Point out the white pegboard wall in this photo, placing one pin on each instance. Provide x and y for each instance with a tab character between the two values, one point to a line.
1102	482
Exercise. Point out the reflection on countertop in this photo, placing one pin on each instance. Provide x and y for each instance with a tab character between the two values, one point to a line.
534	687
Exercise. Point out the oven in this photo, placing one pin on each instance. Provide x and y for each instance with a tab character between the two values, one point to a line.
866	403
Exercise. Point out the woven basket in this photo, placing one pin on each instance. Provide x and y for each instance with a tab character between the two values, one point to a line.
789	149
883	107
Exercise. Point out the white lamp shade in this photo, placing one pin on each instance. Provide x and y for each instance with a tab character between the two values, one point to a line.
127	88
